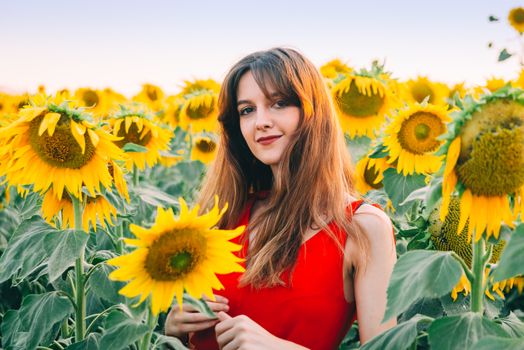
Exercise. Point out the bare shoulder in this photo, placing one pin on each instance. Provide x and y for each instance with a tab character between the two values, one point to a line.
376	225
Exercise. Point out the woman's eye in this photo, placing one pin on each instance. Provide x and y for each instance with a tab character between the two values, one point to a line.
281	103
246	110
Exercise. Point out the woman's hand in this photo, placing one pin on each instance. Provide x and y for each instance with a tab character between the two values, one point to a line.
180	323
241	332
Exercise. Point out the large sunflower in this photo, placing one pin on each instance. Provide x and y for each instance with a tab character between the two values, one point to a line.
174	255
361	103
54	147
485	162
516	19
204	149
411	138
95	208
135	126
200	108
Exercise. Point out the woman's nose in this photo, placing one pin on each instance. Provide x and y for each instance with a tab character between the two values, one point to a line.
264	120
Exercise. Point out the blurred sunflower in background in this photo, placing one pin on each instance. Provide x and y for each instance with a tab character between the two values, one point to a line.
97	207
421	88
516	19
333	69
134	125
152	96
199	111
176	255
55	147
411	138
485	162
369	173
361	102
204	149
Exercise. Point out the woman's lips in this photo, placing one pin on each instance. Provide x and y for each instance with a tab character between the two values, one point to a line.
268	140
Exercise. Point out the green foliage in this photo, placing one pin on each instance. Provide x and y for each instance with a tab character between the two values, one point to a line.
512	260
399	187
418	274
462	331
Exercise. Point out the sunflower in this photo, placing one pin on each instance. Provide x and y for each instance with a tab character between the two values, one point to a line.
174	255
411	138
152	96
95	207
204	149
333	68
361	103
417	90
54	147
485	162
370	173
200	107
136	126
516	19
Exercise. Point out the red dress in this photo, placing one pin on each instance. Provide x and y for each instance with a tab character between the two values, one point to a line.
312	312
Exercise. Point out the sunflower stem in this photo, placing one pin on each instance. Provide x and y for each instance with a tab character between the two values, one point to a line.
151	323
465	267
477	285
120	238
80	307
135	176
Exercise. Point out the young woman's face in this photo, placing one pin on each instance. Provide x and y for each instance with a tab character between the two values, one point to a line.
268	125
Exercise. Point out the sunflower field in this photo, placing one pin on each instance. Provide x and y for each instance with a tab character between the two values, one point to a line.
99	236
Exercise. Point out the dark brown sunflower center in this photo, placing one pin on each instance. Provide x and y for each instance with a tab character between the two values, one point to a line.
370	176
175	254
200	112
152	93
354	103
133	136
420	91
206	146
518	16
90	98
418	134
491	160
60	150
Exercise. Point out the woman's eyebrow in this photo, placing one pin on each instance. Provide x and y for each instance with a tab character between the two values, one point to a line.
240	102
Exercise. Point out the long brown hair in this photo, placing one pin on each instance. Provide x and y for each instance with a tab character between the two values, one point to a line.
314	175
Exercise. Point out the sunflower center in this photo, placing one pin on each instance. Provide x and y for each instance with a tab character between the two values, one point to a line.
418	133
200	112
60	150
175	254
420	91
354	103
206	146
152	94
518	16
370	176
90	98
491	160
133	136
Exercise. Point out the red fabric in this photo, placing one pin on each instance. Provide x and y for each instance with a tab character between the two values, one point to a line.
311	312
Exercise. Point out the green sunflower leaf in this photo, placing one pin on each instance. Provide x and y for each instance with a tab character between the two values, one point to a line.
420	274
504	55
122	331
63	247
492	342
133	147
401	336
462	331
511	262
399	187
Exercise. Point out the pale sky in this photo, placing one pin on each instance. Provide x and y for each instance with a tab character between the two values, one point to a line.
123	44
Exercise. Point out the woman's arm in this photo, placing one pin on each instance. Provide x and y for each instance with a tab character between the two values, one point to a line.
370	284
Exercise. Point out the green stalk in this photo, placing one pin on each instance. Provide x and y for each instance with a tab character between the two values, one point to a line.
477	285
135	176
120	238
80	310
151	323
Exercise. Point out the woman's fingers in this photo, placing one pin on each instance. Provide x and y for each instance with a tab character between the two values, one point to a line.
195	327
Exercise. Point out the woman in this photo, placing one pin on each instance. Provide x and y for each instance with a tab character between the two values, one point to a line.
316	258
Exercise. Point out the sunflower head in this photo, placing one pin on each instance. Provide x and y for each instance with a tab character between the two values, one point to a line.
199	109
53	138
485	160
516	19
370	173
423	89
333	68
176	255
412	138
204	149
361	103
